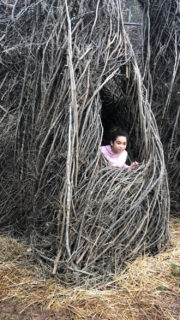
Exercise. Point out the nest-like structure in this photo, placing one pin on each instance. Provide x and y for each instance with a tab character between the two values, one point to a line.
162	79
68	74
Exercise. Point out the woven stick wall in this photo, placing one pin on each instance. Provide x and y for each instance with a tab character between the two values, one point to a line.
62	61
162	74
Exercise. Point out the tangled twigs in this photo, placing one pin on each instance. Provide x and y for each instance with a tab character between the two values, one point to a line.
162	66
67	76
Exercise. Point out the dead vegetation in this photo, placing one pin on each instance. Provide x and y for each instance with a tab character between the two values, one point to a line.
60	60
148	288
162	78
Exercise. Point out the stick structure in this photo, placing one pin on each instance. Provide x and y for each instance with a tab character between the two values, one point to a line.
162	78
69	72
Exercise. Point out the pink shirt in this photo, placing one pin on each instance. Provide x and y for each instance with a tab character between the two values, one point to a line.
115	159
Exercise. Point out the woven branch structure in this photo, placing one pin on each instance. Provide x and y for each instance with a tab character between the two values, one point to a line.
68	73
162	73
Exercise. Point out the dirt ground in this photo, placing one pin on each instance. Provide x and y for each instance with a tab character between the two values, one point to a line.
10	311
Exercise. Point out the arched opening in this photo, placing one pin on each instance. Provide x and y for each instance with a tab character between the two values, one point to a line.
119	102
113	113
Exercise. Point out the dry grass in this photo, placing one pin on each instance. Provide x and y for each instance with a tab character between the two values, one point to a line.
147	289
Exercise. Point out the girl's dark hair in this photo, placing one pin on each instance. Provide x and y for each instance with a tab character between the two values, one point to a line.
117	132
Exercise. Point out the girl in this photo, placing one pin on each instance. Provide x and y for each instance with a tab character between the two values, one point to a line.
116	152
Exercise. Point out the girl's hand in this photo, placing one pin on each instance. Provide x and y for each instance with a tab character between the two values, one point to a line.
134	165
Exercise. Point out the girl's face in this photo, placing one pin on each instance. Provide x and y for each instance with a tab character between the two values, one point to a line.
119	145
